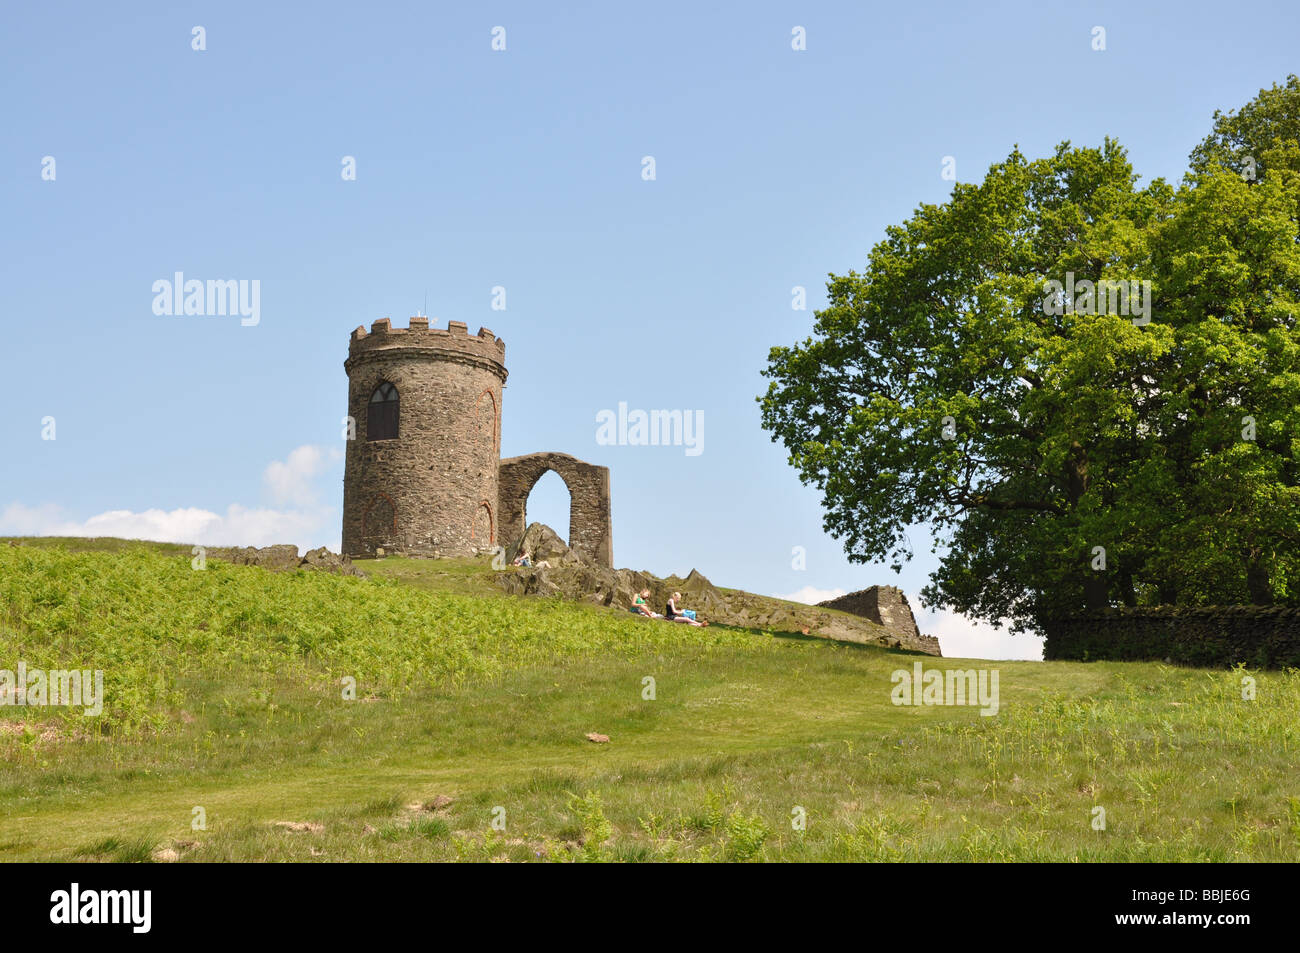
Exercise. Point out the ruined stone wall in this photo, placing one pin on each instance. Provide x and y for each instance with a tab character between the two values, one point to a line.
434	488
887	606
590	532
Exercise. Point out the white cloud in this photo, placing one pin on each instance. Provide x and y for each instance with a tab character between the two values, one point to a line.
811	595
960	637
44	520
290	481
305	522
238	526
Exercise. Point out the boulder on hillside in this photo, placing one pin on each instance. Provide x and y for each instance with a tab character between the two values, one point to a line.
529	582
572	577
323	560
697	593
545	545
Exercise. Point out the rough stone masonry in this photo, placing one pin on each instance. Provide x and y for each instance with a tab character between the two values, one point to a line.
423	473
887	606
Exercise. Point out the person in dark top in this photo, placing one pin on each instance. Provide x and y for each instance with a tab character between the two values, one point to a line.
674	614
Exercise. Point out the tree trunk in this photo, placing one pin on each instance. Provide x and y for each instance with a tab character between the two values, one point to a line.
1095	587
1095	591
1257	581
1126	590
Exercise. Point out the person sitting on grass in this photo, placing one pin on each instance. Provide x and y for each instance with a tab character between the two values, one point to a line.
674	614
641	607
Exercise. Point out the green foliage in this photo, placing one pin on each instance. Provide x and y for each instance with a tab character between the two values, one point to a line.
711	819
596	828
151	623
1067	431
745	836
119	850
879	839
1263	130
1293	817
431	827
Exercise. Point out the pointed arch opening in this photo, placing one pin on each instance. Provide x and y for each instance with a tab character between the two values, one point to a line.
550	501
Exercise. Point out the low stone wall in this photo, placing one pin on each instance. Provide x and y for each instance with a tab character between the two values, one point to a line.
284	557
567	575
1210	637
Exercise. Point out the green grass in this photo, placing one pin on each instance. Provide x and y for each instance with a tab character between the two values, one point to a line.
224	693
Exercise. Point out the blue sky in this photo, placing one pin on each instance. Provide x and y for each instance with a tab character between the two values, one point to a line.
522	168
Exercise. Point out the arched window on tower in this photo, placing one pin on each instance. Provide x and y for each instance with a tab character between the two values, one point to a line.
381	422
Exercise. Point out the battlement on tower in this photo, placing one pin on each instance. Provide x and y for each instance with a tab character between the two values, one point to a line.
450	342
423	472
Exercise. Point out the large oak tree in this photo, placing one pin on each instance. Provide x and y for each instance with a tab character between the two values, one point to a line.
1069	455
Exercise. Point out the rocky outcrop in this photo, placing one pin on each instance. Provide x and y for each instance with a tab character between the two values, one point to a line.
285	558
323	560
569	576
543	544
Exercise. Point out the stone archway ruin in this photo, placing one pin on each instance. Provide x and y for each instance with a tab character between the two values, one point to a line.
589	516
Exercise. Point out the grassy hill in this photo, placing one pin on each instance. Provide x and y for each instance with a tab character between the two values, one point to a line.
224	693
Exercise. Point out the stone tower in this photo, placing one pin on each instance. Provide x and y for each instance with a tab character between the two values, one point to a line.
421	474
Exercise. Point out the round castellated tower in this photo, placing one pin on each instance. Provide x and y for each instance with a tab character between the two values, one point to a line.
421	473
